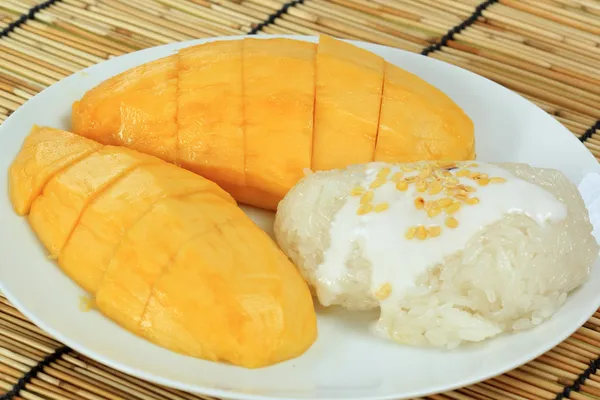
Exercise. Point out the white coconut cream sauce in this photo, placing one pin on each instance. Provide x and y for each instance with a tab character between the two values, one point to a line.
396	252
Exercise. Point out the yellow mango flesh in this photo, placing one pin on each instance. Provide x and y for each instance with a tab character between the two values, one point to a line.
419	122
347	102
45	152
142	255
229	293
278	93
253	114
136	108
157	272
56	211
105	221
210	114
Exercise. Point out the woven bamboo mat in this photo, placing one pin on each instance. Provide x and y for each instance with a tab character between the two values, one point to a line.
546	50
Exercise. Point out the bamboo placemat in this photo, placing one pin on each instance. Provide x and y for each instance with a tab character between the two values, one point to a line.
546	50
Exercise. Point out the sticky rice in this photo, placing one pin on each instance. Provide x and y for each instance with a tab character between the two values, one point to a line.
507	260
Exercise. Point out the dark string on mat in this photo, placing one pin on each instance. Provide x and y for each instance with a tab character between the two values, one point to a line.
576	386
26	17
588	134
58	353
277	14
458	28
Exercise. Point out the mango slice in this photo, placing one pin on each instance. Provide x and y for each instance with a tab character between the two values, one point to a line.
347	102
108	218
229	294
278	93
210	113
56	211
45	152
136	108
253	115
142	255
419	122
167	254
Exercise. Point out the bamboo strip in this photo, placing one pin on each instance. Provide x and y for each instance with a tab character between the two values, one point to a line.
85	36
63	65
530	54
421	18
572	356
147	12
456	396
564	50
202	12
27	337
65	41
11	105
38	386
562	375
362	32
532	78
522	65
106	50
493	393
369	21
109	385
56	71
22	350
81	384
472	394
509	388
584	63
112	378
15	6
91	25
115	23
138	23
493	29
565	42
511	83
81	57
15	68
41	69
558	111
292	19
533	20
557	14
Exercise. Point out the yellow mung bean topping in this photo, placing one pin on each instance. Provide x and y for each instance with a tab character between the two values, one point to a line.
434	231
451	222
381	207
384	291
421	233
367	197
357	191
364	209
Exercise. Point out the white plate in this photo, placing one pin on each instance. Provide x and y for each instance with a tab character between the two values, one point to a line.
346	362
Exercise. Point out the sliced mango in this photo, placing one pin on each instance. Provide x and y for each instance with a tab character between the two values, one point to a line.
143	255
278	93
420	122
108	218
253	114
347	103
210	113
56	211
45	152
172	260
136	108
239	292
